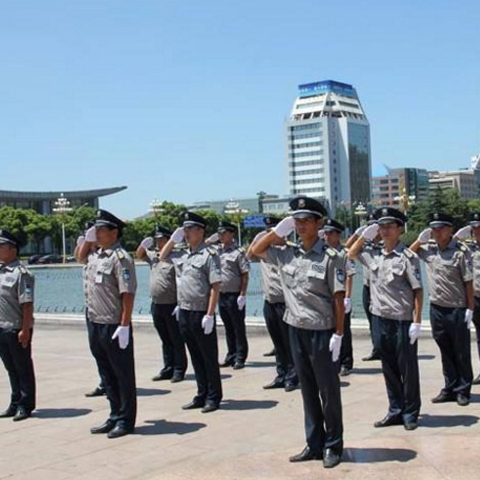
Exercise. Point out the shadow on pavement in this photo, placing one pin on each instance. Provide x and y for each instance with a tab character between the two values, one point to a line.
164	427
248	404
378	455
191	376
259	364
366	371
150	392
440	421
426	357
60	412
343	383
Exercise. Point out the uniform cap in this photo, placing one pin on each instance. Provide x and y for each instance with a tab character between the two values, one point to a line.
304	207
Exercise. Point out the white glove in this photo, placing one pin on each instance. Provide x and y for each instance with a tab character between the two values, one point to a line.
469	318
414	332
207	324
91	235
147	243
370	232
176	312
464	233
360	230
285	227
347	302
335	346
178	235
321	234
241	302
425	235
212	239
123	335
80	240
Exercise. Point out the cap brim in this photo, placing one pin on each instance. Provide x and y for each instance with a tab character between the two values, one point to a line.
306	214
438	224
190	223
372	222
384	220
161	235
331	229
5	241
105	223
474	224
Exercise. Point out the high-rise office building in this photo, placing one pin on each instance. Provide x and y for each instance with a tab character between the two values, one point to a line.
328	145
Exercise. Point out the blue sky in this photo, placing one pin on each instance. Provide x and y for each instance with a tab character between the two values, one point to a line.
185	100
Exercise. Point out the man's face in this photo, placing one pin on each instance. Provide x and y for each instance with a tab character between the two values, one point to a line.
390	231
106	236
7	252
161	242
332	237
227	237
476	232
308	227
442	234
194	234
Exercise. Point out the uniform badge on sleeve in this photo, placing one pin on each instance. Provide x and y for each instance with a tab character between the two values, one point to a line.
417	274
126	274
341	276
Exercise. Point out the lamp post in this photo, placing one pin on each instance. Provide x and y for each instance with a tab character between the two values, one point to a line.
360	211
232	208
156	208
62	206
405	201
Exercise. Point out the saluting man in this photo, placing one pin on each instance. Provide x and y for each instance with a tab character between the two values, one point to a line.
332	231
396	307
198	273
233	291
111	291
313	279
163	290
450	282
16	328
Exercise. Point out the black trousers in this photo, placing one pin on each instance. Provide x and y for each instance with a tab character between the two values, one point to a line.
117	367
235	331
452	335
203	351
19	365
476	322
320	386
173	346
278	330
101	383
400	367
366	306
346	351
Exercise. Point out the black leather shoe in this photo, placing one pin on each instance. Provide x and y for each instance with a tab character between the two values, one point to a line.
162	376
463	400
476	380
9	412
104	428
306	455
227	363
345	371
290	387
21	414
371	358
118	432
239	365
177	378
443	397
410	425
98	392
331	458
274	384
210	407
193	405
388	422
271	353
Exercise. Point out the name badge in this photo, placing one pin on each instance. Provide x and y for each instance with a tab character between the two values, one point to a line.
99	277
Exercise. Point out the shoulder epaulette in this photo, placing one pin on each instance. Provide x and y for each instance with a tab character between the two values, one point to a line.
23	269
291	244
463	247
241	249
212	251
408	253
331	252
120	254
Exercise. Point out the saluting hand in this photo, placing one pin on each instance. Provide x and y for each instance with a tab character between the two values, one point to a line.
285	227
178	235
464	233
370	232
147	243
425	235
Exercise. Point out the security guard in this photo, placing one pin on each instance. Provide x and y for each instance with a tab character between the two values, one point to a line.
100	390
163	290
198	274
396	307
233	290
466	234
273	312
373	355
450	281
332	231
111	291
16	328
313	280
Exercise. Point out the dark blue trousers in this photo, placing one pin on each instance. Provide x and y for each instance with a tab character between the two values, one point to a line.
320	386
366	307
234	321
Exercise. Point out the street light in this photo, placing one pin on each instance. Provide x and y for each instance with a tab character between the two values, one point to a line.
156	207
232	208
360	211
62	206
405	201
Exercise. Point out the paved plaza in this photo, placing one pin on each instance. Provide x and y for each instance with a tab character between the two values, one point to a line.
251	437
